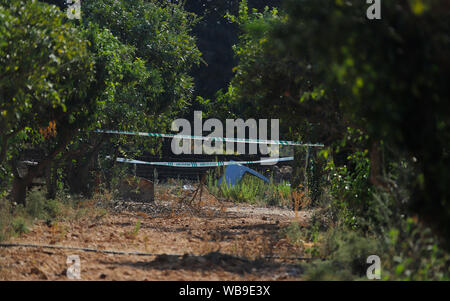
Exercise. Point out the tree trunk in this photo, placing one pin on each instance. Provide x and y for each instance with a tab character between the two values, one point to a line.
80	179
109	174
376	177
51	180
3	147
19	190
298	173
20	185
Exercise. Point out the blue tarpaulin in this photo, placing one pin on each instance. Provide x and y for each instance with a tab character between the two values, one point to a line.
234	173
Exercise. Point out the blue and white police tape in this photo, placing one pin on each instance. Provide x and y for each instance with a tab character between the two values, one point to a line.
209	138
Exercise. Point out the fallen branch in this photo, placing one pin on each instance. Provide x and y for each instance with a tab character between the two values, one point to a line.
12	245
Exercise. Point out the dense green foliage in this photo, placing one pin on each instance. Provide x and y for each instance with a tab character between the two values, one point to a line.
47	73
393	77
124	65
161	37
374	92
146	52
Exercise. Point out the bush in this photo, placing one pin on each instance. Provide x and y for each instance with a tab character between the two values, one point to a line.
293	233
351	190
413	252
35	203
15	220
39	207
326	271
19	225
252	190
5	219
351	249
52	209
346	253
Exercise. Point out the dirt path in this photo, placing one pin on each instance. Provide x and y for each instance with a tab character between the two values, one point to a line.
217	241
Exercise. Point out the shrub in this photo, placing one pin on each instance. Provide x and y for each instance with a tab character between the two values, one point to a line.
413	252
35	203
19	225
410	252
346	253
326	271
52	209
351	190
293	233
252	190
5	219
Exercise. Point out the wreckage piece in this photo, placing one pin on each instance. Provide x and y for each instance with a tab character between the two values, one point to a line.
136	189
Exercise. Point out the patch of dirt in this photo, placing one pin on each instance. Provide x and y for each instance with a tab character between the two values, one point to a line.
209	241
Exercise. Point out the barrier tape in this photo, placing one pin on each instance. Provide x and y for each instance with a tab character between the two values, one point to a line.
209	138
203	164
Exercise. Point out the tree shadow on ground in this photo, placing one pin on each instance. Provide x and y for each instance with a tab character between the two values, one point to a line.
230	231
215	261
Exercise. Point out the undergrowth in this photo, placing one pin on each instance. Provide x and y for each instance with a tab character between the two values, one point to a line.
18	219
355	220
252	190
